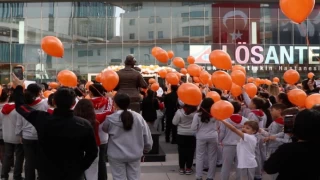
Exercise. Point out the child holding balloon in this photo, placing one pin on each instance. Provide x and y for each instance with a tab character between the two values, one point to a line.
246	148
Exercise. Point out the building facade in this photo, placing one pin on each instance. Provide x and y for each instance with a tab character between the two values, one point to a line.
101	33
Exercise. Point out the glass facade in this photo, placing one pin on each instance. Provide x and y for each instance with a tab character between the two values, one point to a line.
98	34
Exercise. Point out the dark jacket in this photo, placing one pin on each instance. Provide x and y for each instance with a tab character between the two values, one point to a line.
149	109
67	143
295	161
171	104
130	81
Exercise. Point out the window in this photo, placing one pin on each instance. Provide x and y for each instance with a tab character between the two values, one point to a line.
131	50
131	36
194	15
160	34
153	18
185	31
186	47
192	3
195	31
98	52
151	35
132	22
83	53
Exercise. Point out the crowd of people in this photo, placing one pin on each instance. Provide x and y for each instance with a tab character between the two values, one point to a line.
67	134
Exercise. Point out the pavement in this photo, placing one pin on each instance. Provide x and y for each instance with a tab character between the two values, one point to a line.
168	170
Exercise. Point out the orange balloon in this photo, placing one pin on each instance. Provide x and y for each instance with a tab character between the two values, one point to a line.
154	51
313	99
53	85
52	46
109	80
196	79
191	60
194	70
235	90
250	79
183	71
178	74
152	80
89	83
210	84
251	89
155	86
276	79
162	56
204	77
214	96
179	62
221	80
98	78
297	10
239	67
162	73
172	78
291	76
170	54
46	94
221	110
310	75
190	94
268	82
220	59
297	97
238	77
67	78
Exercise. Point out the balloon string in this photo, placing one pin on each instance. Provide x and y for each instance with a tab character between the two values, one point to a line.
307	37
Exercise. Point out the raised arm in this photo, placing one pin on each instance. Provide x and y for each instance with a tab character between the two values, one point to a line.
23	109
233	129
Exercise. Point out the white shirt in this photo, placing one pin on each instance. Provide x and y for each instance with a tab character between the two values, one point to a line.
246	152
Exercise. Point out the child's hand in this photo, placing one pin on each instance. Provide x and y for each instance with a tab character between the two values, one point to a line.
272	138
266	139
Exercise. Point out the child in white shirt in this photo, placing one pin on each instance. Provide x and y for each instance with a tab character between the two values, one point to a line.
246	148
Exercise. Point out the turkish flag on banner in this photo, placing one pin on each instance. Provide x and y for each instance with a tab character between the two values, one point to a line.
236	23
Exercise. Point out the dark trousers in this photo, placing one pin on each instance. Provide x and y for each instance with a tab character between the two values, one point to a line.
170	128
11	150
71	176
30	148
102	172
186	149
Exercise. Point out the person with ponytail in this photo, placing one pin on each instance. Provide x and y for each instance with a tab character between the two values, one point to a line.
28	131
129	138
207	139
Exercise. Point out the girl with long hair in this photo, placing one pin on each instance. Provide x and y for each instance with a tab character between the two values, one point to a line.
85	109
129	138
207	139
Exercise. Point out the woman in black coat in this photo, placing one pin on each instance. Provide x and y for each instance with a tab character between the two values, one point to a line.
149	107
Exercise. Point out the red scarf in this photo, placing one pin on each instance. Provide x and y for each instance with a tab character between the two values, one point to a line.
279	120
37	101
236	118
258	112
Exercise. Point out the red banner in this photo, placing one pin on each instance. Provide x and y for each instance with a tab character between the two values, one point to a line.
235	23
